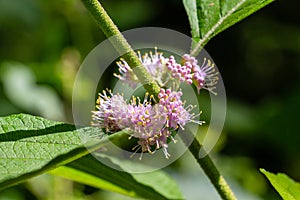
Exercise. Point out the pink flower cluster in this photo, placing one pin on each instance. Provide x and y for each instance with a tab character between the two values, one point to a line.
182	72
153	122
204	76
153	125
154	64
166	71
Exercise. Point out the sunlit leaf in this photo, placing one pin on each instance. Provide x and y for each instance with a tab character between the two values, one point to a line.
211	17
191	9
285	186
30	146
152	185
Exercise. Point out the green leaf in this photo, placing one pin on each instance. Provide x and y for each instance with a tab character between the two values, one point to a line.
28	143
30	146
285	186
153	185
211	17
191	9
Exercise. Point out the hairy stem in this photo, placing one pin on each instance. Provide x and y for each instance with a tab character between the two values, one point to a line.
208	166
122	46
212	172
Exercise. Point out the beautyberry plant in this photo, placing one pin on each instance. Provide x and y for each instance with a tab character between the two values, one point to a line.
153	122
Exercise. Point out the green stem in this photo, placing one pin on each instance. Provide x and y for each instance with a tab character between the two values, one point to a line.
122	46
208	166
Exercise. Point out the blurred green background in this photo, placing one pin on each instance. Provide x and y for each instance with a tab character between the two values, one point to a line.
42	44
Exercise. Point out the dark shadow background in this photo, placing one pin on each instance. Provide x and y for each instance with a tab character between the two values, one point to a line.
258	58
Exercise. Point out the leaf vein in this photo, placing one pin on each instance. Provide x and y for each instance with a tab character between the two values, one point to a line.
214	28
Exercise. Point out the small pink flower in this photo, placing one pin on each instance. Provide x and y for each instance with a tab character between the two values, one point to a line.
155	64
182	72
204	76
111	112
151	124
126	74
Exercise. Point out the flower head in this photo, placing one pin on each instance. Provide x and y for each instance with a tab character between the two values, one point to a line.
174	108
111	112
204	76
168	73
155	64
182	72
126	74
153	125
